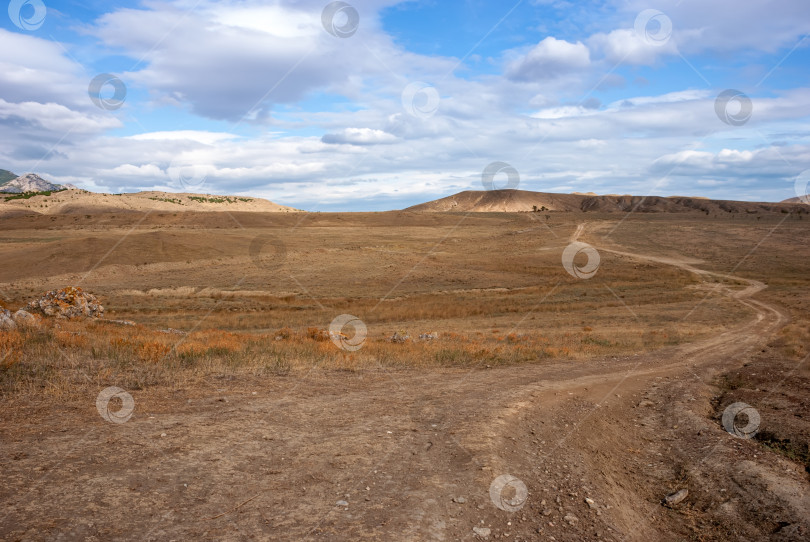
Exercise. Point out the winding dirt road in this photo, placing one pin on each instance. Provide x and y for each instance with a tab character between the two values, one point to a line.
412	456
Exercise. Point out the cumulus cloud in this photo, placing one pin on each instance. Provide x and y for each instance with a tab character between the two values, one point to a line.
626	46
549	59
296	109
39	70
236	61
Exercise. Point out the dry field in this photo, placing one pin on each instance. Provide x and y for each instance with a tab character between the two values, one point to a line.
250	423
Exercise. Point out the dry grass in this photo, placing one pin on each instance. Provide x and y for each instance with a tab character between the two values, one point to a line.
64	357
493	289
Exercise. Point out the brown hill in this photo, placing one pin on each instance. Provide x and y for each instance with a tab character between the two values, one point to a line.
83	202
515	201
805	200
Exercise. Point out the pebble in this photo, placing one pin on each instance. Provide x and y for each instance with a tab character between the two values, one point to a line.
459	500
677	497
341	503
590	502
483	532
571	519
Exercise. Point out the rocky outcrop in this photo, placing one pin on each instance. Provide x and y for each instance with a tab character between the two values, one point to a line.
400	337
31	182
70	302
25	319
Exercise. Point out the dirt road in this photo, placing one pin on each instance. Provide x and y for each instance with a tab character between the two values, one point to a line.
412	456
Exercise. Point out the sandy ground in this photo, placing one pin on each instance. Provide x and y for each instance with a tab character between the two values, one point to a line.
407	455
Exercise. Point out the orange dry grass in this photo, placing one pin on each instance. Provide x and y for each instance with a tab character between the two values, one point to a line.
66	355
153	346
11	343
70	339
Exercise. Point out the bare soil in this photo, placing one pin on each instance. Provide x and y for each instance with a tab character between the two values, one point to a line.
393	453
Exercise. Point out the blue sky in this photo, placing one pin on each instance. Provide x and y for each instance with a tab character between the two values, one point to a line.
412	102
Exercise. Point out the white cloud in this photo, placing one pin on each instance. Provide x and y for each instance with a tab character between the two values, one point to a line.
549	59
731	25
39	70
220	59
236	61
129	170
55	118
199	136
562	112
761	164
625	46
670	97
359	136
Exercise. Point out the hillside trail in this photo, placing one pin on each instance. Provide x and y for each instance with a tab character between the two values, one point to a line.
407	455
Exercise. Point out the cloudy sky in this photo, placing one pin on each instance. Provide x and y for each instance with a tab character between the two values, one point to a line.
380	104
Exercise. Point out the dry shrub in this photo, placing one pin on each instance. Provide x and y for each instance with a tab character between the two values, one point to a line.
317	334
285	333
216	342
11	343
793	340
152	352
70	339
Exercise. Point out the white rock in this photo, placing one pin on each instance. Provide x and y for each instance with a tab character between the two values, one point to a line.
677	497
483	532
25	319
6	322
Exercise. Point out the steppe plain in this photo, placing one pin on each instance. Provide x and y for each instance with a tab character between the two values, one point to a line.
602	396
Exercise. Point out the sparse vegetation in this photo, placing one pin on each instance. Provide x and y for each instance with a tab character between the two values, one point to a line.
218	199
28	195
167	200
479	347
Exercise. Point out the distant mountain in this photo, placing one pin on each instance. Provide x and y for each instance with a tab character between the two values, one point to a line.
6	176
31	182
805	200
513	201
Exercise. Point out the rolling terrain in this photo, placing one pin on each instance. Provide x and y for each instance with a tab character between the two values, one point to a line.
512	201
601	395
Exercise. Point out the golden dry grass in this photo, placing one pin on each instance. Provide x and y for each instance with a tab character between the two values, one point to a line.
491	286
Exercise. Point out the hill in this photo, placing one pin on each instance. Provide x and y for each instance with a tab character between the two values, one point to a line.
514	201
83	202
804	199
31	182
6	176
